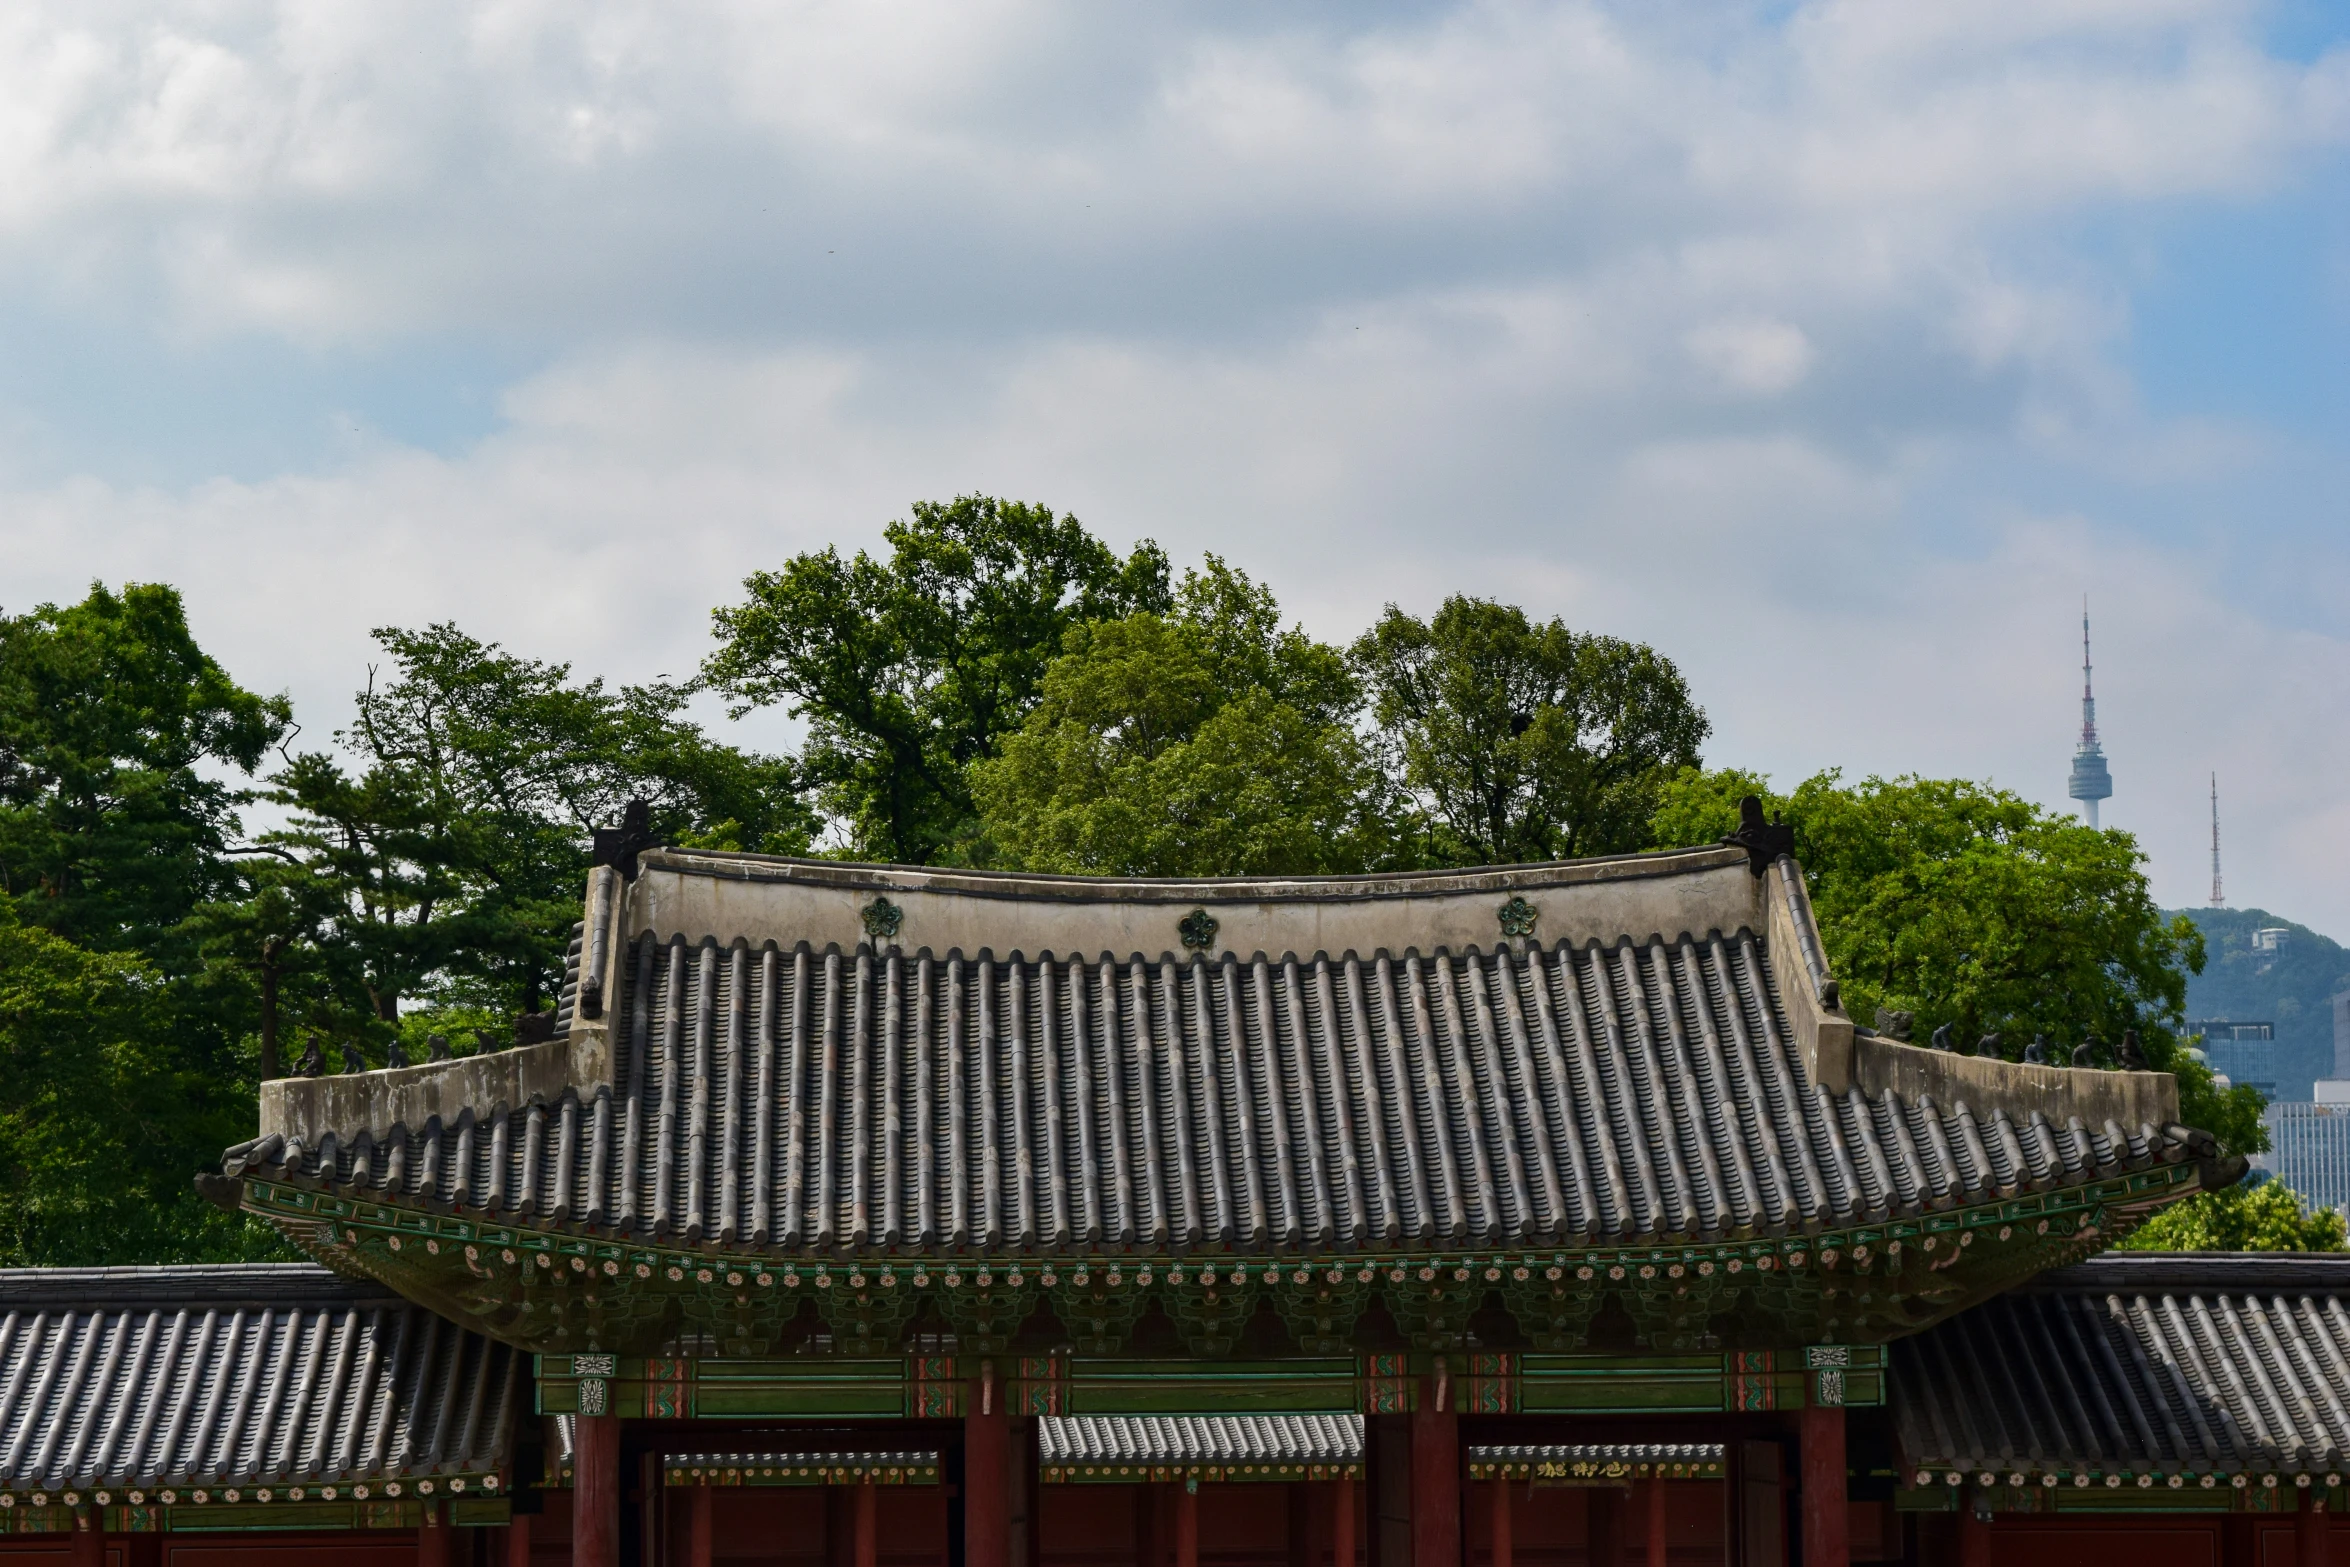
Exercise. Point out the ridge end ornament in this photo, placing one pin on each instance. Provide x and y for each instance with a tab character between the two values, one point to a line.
1764	841
1518	918
1196	930
883	919
619	846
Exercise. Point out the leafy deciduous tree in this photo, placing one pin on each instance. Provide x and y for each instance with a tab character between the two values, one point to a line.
111	829
452	859
104	1116
910	670
2268	1217
1523	741
1206	742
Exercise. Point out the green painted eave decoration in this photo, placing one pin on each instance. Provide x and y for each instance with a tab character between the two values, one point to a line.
554	1289
942	1387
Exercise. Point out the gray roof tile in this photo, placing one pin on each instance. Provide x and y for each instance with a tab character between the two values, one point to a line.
154	1376
809	1099
1219	1440
2139	1364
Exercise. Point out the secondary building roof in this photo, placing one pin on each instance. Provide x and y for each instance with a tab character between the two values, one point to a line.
2154	1369
1174	1447
253	1382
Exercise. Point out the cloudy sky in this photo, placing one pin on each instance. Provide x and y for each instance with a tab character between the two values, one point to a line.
1838	349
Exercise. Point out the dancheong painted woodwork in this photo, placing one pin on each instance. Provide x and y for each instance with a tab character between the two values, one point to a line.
800	1469
1599	1463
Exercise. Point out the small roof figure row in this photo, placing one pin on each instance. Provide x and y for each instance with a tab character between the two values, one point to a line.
2129	1056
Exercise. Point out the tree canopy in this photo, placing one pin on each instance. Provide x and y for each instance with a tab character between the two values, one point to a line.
2268	1217
910	670
111	1097
112	824
1524	741
1203	742
449	858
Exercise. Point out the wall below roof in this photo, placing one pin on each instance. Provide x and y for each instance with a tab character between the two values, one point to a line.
757	900
304	1109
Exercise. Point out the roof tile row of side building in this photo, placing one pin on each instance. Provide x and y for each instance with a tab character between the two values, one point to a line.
2125	1365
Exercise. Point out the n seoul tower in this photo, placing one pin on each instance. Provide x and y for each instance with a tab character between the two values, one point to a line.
2090	782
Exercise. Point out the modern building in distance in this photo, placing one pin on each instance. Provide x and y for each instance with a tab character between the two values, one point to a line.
2091	780
2310	1140
2242	1052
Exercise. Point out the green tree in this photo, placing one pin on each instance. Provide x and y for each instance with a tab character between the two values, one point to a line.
115	731
376	872
1205	742
104	1118
2268	1217
265	937
1524	741
910	670
125	1062
1968	906
450	859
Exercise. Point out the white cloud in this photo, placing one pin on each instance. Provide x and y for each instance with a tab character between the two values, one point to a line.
1759	356
1774	344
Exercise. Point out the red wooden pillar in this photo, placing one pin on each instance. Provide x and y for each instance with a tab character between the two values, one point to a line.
1342	1521
1974	1534
1150	1526
1501	1521
987	1445
89	1537
595	1492
2309	1529
698	1525
1603	1529
1825	1521
518	1540
1187	1524
432	1539
1436	1476
1656	1521
868	1526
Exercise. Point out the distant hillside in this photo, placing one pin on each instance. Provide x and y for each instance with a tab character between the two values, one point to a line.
2290	987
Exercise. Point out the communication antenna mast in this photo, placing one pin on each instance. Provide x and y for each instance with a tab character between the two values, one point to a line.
2217	901
2091	779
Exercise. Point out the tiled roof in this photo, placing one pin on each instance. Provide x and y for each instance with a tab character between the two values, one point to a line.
807	1099
2138	1364
238	1375
1221	1441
